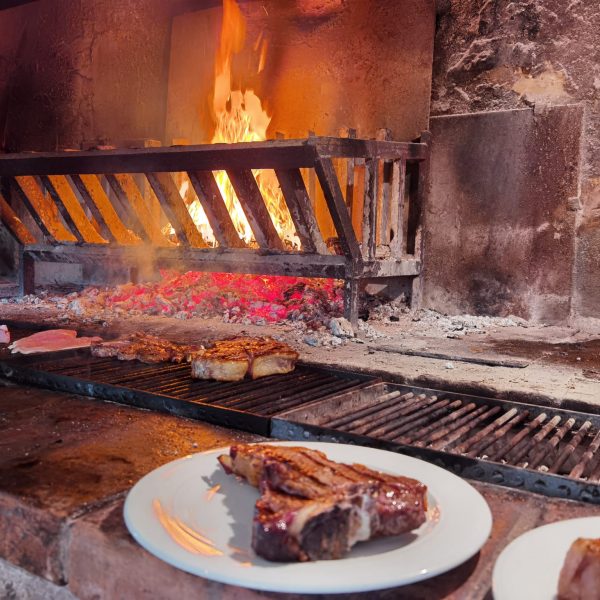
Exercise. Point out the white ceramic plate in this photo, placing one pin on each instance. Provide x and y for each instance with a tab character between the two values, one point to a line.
529	567
192	515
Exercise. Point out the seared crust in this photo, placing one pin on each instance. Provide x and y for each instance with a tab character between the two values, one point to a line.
146	348
232	359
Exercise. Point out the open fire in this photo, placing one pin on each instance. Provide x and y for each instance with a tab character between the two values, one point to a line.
330	208
239	117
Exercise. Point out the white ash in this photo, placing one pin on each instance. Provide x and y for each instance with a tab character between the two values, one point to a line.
468	323
341	327
323	339
386	311
369	331
428	322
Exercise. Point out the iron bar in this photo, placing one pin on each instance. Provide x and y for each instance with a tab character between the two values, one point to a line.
486	442
570	448
543	451
468	426
579	468
423	433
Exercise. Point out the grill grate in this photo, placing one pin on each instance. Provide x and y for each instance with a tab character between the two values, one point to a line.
525	436
246	404
264	397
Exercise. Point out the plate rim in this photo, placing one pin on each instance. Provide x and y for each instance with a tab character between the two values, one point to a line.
339	587
504	557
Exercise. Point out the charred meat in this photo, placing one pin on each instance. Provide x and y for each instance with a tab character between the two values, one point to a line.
312	508
146	348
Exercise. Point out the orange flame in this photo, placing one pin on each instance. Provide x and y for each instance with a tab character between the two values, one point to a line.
240	117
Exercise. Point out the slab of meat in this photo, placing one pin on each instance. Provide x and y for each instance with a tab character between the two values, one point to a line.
312	508
221	364
52	340
233	359
4	335
580	575
146	348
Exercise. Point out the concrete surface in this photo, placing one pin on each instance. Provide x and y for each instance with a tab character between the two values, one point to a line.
543	380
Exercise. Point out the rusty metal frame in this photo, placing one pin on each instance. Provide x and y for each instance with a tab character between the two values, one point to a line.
79	220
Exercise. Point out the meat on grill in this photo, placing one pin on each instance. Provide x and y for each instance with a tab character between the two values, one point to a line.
146	348
233	359
4	335
312	508
52	340
580	574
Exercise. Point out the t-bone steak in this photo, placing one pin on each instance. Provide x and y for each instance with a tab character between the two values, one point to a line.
312	508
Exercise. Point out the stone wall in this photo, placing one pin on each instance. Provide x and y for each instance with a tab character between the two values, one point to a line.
82	70
328	65
501	54
499	229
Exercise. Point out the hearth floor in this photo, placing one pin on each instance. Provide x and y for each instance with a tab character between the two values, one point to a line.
67	463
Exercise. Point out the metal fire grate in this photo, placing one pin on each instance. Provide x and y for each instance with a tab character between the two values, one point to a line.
94	206
263	397
541	449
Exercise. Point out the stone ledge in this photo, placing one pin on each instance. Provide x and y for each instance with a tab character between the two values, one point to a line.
31	538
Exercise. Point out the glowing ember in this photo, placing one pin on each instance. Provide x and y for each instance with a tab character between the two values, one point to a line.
239	117
235	298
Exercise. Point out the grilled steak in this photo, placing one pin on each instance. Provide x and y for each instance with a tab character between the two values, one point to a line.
231	360
580	574
146	348
221	364
312	508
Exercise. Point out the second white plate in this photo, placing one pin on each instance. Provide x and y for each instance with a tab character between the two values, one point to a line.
192	515
529	567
